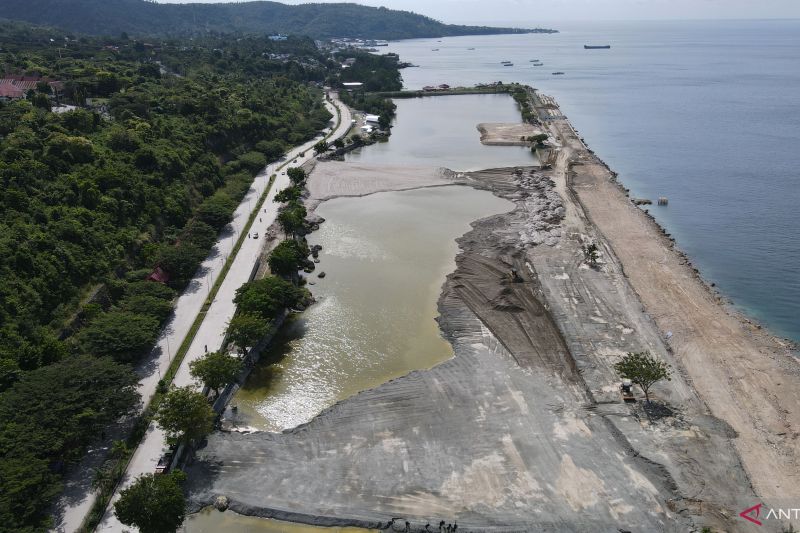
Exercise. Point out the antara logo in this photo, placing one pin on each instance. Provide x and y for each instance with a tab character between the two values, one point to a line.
752	514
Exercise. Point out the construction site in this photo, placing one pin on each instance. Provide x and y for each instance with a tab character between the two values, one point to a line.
529	427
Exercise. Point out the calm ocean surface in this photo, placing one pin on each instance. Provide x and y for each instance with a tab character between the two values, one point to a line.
705	113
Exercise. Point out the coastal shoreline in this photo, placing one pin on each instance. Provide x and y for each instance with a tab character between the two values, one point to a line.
476	297
735	364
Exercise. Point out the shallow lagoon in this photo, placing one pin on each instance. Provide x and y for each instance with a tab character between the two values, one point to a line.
386	257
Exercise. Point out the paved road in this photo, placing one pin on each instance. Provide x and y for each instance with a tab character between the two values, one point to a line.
79	496
212	330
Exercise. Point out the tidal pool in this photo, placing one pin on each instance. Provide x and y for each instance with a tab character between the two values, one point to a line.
386	257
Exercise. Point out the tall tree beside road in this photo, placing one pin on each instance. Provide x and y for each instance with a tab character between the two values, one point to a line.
216	370
288	194
321	147
288	257
154	503
297	175
268	296
184	414
292	218
246	329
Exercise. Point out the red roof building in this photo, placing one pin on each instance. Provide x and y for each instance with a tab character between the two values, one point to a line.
159	275
12	87
10	92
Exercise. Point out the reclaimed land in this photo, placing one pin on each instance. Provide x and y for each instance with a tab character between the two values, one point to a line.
524	428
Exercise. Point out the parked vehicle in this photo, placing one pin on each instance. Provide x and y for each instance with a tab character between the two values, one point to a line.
164	461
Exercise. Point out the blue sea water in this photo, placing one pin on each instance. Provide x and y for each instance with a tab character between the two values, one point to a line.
704	113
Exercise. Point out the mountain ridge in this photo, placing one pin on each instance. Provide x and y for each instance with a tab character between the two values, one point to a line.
144	18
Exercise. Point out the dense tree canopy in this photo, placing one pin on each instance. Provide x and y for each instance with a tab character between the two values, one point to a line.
267	297
297	175
165	140
288	257
153	503
216	370
184	414
292	218
289	194
74	399
320	20
122	335
245	330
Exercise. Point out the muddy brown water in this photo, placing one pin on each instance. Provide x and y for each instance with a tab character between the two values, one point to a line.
386	257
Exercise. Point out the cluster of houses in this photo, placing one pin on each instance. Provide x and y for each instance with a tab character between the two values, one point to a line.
432	88
357	43
16	87
371	123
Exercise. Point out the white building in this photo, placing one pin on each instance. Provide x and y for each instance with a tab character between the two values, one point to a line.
372	119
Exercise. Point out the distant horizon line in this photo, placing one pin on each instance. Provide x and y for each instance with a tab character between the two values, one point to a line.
561	21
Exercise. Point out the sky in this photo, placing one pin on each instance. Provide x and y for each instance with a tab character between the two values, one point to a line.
518	11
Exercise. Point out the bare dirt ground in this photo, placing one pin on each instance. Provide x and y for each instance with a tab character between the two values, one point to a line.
745	376
506	134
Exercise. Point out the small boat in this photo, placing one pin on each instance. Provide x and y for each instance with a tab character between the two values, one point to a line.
434	49
534	61
506	61
470	49
596	46
559	73
508	64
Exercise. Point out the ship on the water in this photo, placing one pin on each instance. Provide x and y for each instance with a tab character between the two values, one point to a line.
596	46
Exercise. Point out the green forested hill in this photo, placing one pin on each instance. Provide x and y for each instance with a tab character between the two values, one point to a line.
145	172
140	18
